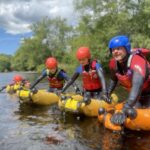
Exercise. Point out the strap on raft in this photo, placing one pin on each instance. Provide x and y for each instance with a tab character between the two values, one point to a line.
76	104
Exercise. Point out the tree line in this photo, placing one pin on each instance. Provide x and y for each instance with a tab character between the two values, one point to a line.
98	21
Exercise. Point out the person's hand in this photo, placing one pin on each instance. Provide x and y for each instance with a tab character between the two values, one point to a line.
2	88
78	91
86	100
129	111
118	118
58	92
105	97
34	90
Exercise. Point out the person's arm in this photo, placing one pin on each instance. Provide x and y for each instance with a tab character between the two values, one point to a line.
5	86
70	81
128	110
137	83
113	78
2	88
100	73
139	68
112	85
37	81
74	84
41	77
102	79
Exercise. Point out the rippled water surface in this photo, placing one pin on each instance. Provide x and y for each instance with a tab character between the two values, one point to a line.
30	127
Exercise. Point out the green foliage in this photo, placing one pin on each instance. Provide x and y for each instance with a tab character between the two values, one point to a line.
33	52
40	68
99	21
5	63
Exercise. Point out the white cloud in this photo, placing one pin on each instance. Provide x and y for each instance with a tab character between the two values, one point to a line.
17	15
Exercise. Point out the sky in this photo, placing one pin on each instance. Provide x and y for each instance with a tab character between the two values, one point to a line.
16	16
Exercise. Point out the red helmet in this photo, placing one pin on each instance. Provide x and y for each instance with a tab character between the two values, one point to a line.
17	78
51	63
83	52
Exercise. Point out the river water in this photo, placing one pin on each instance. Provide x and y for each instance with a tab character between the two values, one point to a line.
30	127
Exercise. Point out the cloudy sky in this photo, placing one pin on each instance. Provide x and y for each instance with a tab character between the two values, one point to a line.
17	15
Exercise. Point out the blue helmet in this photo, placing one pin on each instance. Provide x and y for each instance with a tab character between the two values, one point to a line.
118	41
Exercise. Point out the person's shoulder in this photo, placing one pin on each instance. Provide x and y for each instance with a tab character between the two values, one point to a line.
138	64
137	59
44	72
62	72
98	64
79	69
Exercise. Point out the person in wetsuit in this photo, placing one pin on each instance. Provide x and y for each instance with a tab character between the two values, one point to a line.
131	69
17	80
55	76
93	80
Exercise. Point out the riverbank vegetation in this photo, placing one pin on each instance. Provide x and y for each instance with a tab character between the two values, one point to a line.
98	21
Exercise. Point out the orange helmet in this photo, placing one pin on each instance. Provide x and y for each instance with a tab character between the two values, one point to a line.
51	63
17	78
83	52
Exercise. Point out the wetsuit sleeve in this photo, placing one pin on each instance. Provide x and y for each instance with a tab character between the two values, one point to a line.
70	82
113	79
111	86
139	68
101	77
42	76
65	76
137	83
2	88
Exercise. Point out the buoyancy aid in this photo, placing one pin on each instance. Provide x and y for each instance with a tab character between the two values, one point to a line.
54	80
91	79
126	78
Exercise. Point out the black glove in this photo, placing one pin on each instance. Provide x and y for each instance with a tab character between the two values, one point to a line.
118	118
87	100
78	91
2	88
34	90
105	97
129	111
58	92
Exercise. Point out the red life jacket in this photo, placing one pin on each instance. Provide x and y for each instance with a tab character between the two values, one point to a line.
54	81
126	79
91	79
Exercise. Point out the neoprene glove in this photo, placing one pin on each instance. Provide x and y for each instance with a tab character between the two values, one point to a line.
87	98
78	91
2	88
105	97
120	117
34	90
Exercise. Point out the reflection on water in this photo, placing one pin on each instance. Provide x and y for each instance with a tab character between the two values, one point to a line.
31	127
